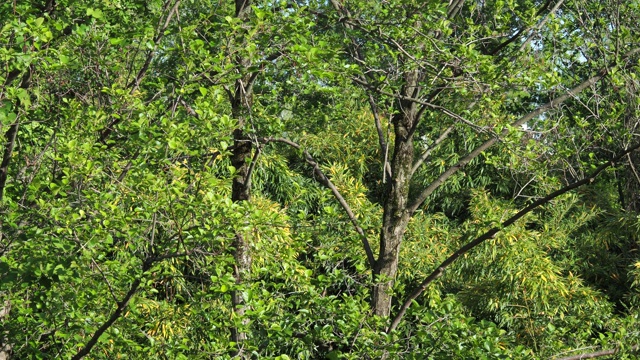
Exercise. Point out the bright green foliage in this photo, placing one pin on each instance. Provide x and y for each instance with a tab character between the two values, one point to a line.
118	187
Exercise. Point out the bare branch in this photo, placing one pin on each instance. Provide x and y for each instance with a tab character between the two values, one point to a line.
324	180
426	154
490	234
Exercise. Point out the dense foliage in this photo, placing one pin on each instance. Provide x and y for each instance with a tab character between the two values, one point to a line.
197	179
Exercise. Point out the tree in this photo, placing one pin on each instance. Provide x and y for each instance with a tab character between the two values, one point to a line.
203	179
463	57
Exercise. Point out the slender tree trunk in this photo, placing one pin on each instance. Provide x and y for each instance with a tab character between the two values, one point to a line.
396	214
241	191
241	102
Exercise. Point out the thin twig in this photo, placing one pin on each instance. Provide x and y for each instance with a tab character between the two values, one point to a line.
427	152
113	294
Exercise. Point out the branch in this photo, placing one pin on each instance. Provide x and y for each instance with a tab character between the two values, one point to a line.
530	116
439	271
425	103
159	34
596	354
427	152
121	306
104	134
264	62
252	166
633	169
524	29
386	168
542	23
324	180
10	135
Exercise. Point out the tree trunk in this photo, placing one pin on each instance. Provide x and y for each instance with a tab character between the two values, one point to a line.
396	213
241	191
395	220
241	102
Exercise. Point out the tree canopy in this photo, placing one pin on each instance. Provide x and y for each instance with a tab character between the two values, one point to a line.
339	179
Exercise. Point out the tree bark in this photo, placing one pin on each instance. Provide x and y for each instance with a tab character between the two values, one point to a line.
395	214
10	135
241	102
241	191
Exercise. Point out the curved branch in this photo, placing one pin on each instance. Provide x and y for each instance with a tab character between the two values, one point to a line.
439	271
324	180
596	354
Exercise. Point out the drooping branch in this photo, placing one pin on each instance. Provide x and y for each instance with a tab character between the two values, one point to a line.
439	271
324	180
